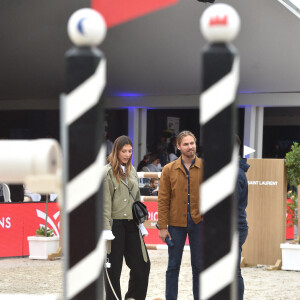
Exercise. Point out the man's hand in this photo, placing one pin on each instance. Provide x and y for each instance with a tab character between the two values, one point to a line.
163	233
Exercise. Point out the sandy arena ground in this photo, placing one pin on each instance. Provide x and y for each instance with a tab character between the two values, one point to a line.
21	275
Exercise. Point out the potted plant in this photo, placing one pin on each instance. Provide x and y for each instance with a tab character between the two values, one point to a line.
291	251
45	242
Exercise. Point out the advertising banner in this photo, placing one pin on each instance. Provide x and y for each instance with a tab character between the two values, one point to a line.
20	220
152	238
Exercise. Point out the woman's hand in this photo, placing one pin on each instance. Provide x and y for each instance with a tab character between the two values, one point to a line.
143	230
108	235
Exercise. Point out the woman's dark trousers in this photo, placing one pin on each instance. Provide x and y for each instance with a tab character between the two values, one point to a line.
127	243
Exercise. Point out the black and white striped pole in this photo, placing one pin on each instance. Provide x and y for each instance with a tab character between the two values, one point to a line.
220	24
82	135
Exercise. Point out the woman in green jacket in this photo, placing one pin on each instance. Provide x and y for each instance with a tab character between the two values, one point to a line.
124	236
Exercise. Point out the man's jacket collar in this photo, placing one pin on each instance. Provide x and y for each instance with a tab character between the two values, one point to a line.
178	164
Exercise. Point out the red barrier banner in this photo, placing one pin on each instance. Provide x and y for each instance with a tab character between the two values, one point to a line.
289	222
116	12
20	220
152	238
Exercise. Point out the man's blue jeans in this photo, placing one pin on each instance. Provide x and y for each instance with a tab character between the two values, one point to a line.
178	235
242	238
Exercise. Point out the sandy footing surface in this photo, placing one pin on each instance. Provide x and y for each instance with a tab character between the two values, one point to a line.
25	276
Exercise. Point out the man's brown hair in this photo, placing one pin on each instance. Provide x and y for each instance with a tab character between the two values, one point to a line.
183	134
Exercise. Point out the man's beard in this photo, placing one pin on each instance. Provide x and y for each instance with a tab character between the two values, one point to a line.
190	154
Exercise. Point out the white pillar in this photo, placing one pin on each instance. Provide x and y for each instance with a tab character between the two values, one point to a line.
133	132
137	131
259	131
143	133
253	129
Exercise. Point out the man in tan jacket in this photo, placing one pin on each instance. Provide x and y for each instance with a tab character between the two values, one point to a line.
178	212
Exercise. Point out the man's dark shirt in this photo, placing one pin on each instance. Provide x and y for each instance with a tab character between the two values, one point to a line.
189	218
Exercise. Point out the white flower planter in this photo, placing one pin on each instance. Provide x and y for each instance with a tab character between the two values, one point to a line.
290	257
40	247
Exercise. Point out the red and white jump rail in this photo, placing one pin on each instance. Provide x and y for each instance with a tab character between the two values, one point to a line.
151	223
149	175
220	76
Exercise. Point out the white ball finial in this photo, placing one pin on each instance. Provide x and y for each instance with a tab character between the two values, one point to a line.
86	27
220	23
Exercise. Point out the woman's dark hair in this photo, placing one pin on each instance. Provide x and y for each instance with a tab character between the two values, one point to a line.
146	157
119	143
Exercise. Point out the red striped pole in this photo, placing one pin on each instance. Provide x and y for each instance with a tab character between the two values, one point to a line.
220	75
84	157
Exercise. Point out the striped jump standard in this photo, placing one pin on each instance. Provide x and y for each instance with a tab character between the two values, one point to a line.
82	132
220	75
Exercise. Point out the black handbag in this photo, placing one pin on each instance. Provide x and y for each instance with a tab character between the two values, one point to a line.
139	212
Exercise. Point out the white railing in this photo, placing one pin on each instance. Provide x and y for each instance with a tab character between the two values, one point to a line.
142	175
149	174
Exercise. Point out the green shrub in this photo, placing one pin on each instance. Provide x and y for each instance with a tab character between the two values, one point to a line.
292	162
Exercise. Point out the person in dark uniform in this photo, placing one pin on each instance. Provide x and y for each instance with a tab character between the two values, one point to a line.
242	197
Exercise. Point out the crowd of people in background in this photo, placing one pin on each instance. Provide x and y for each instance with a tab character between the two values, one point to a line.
19	193
165	153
